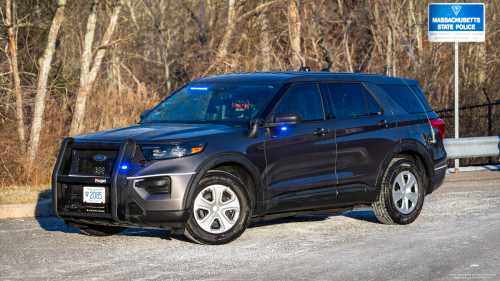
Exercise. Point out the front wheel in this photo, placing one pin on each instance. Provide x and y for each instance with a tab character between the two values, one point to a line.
220	211
402	194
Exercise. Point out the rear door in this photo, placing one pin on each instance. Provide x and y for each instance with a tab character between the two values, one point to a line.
300	159
365	132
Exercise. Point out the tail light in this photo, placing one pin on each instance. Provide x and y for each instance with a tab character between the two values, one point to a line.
438	124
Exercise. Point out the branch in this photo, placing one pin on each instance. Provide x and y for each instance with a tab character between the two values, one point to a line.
109	45
254	10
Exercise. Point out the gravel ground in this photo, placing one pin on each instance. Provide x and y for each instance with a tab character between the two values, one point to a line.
457	236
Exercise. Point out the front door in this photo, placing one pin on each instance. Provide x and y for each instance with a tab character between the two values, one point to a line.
300	159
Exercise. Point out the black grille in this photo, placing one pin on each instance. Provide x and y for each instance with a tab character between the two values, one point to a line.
84	163
138	162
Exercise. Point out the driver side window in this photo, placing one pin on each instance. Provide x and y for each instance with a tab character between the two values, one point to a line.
304	99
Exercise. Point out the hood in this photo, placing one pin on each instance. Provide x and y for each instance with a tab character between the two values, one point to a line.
156	132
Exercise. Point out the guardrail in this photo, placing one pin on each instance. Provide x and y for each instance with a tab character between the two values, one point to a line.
472	147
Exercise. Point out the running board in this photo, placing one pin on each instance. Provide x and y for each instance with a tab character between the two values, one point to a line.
311	212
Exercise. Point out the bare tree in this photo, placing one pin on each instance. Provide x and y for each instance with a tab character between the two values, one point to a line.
87	77
265	44
294	25
15	69
41	92
164	50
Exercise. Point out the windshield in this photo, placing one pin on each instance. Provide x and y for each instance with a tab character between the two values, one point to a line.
214	103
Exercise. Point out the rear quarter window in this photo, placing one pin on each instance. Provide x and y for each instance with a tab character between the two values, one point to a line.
410	100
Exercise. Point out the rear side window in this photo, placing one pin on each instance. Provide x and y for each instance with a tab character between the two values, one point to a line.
348	100
422	97
405	97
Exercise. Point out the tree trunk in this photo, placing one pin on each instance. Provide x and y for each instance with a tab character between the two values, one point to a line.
226	39
346	46
202	25
87	77
294	26
213	25
375	28
482	64
388	53
164	51
265	44
41	89
15	69
231	11
321	38
394	41
231	24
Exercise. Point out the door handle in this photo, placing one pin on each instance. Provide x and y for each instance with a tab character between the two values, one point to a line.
384	123
321	131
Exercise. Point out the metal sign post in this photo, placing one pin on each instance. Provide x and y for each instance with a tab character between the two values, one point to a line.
457	161
462	22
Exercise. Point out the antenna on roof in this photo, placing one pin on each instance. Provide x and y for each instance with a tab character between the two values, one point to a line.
305	68
356	71
326	69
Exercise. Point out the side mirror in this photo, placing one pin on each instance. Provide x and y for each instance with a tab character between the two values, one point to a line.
291	117
145	113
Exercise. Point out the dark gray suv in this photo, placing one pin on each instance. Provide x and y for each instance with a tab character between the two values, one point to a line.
230	149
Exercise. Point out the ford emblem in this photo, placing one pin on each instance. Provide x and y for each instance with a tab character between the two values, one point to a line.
99	157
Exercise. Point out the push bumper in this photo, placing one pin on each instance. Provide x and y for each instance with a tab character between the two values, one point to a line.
117	213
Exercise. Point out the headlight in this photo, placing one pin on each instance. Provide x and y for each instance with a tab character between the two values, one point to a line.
164	151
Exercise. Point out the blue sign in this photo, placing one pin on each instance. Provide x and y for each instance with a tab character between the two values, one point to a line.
456	22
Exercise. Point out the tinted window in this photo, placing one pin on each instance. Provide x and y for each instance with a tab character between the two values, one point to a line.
421	96
305	99
348	100
209	102
373	106
403	95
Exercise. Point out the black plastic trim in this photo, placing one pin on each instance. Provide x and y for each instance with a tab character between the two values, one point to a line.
95	145
407	145
436	182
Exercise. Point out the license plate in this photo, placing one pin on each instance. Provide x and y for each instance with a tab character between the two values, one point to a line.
92	194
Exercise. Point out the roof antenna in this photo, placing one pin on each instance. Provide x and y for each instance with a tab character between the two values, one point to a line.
305	68
356	71
326	69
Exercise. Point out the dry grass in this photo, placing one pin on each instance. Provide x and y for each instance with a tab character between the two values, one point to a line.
24	194
105	110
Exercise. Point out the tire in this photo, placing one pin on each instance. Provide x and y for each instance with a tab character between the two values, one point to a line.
402	185
215	221
100	230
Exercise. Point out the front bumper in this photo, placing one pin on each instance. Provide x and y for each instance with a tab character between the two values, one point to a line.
127	205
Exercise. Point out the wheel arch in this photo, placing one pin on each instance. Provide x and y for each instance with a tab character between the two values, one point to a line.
231	162
414	151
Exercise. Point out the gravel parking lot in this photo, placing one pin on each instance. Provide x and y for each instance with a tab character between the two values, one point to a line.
457	236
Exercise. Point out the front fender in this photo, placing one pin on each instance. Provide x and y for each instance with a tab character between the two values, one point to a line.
217	159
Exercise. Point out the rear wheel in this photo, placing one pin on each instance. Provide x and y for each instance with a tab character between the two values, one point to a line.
100	230
402	194
220	211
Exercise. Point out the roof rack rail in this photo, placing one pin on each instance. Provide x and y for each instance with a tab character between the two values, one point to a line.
305	68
